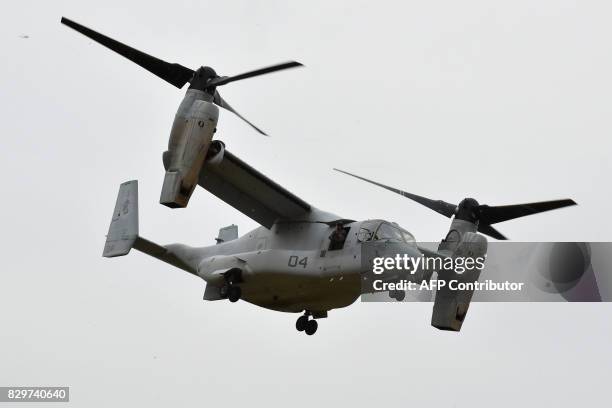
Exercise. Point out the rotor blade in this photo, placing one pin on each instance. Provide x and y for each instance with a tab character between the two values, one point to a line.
439	206
175	74
279	67
221	102
490	231
492	215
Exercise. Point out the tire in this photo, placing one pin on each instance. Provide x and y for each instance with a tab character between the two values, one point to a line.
301	323
311	327
234	293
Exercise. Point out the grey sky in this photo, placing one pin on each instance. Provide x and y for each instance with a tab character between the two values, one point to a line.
508	102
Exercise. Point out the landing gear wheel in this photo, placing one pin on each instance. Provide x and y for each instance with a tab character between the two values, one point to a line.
311	327
301	323
234	293
398	295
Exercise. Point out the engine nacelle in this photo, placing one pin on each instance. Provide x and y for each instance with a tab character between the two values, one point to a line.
192	131
451	306
472	245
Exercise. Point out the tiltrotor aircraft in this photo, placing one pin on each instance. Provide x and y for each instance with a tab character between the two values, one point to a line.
301	259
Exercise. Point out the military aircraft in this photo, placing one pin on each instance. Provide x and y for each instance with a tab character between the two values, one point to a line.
301	259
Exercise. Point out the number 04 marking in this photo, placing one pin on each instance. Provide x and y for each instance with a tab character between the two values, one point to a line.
294	261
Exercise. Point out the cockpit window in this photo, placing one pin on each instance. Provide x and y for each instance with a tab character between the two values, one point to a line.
387	232
383	231
408	237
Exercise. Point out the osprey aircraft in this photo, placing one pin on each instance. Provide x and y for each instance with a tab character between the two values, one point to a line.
301	259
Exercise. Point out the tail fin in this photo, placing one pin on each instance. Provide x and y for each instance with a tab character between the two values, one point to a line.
123	230
227	234
123	234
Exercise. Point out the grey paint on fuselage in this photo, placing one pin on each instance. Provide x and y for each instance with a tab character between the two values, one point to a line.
286	268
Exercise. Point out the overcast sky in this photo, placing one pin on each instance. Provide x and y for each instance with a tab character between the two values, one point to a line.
507	102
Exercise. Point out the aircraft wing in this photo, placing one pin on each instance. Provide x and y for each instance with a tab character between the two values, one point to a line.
247	190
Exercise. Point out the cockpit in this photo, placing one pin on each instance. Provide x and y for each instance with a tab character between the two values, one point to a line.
379	230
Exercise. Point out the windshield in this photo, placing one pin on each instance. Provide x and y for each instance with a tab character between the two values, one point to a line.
387	232
383	231
408	237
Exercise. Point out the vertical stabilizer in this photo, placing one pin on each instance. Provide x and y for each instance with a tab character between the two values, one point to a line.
227	234
123	229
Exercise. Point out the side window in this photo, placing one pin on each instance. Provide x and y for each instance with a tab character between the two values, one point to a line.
337	238
366	232
364	235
